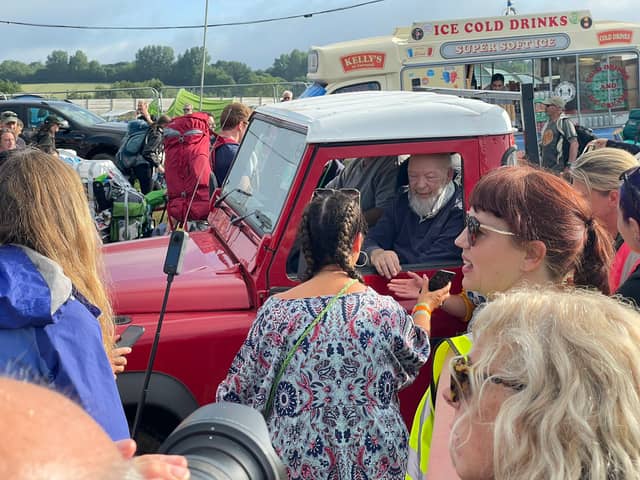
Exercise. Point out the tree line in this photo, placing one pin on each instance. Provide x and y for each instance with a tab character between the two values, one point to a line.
153	64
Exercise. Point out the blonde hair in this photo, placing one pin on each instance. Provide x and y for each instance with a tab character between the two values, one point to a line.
44	207
601	169
577	353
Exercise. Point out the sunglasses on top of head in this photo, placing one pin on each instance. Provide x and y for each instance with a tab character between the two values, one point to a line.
352	193
461	369
627	174
474	227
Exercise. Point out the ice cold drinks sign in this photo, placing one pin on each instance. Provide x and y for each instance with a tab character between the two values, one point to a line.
513	25
507	26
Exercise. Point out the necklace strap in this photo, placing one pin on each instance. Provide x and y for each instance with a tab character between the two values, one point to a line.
269	406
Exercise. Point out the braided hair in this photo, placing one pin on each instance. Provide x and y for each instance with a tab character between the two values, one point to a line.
328	228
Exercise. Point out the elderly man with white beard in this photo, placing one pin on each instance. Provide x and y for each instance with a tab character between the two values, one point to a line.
422	223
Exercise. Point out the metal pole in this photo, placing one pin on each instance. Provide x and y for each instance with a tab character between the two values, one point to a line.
204	52
529	117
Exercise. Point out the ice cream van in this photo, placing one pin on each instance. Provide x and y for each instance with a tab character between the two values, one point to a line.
592	65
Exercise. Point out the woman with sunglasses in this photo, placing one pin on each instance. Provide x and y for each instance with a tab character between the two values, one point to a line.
596	175
629	227
324	361
525	214
550	390
524	227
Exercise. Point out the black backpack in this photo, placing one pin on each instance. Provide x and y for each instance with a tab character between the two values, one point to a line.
132	144
585	135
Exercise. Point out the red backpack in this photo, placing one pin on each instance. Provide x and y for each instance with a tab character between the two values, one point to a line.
220	140
187	169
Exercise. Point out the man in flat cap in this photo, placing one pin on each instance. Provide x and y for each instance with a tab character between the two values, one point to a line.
557	130
9	121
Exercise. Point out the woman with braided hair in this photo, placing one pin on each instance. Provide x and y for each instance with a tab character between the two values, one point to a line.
325	360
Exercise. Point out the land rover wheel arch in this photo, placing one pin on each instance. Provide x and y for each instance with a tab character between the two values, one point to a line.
165	392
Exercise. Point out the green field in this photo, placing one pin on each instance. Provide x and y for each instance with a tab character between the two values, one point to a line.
60	87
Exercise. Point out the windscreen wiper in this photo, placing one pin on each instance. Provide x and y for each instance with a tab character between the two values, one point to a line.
265	222
239	190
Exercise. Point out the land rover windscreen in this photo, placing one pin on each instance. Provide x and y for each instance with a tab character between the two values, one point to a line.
262	173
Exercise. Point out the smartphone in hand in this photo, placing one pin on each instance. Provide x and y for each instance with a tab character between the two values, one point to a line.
440	279
130	336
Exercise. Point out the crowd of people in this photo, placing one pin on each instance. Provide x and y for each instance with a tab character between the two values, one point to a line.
11	134
57	327
533	242
544	384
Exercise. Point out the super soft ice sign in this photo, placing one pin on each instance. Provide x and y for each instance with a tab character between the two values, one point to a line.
505	46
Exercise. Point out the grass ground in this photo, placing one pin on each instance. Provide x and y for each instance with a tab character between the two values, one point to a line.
60	87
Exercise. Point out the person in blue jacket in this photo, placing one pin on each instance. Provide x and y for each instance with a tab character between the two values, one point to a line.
56	325
422	223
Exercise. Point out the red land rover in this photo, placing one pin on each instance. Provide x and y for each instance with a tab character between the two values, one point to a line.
249	252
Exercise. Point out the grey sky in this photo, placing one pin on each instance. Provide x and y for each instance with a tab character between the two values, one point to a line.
256	45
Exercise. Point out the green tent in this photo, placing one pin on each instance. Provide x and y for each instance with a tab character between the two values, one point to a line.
213	106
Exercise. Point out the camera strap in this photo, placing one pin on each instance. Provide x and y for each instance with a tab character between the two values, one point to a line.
269	406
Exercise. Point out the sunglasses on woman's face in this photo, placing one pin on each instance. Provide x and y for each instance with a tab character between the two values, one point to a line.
461	384
352	193
474	227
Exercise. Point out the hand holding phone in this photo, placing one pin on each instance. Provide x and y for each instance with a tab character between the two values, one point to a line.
130	336
440	279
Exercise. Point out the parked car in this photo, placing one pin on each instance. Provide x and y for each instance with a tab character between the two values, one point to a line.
250	250
83	131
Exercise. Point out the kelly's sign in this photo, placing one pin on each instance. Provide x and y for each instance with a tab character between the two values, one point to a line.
363	61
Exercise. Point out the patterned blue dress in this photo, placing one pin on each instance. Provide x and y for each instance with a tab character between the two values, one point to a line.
335	413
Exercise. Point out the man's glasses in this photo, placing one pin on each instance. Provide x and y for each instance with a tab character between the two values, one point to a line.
352	193
474	227
461	383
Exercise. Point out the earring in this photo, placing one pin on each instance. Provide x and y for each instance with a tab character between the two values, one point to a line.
366	259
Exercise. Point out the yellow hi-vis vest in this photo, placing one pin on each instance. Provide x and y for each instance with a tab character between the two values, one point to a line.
422	426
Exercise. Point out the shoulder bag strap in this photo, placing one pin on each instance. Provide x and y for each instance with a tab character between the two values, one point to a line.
291	353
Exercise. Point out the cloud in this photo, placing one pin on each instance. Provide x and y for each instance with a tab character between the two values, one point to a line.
256	45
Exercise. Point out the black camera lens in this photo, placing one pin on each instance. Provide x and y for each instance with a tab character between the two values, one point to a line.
226	441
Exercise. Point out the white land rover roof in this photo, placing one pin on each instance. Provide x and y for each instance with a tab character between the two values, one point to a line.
362	116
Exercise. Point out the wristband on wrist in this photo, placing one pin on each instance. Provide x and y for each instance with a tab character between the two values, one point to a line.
421	307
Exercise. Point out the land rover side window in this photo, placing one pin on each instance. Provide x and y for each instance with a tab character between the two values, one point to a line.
262	173
440	217
387	180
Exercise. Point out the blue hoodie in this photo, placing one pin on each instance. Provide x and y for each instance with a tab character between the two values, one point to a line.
49	334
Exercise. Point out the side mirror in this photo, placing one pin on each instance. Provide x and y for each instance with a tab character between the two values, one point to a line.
64	125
